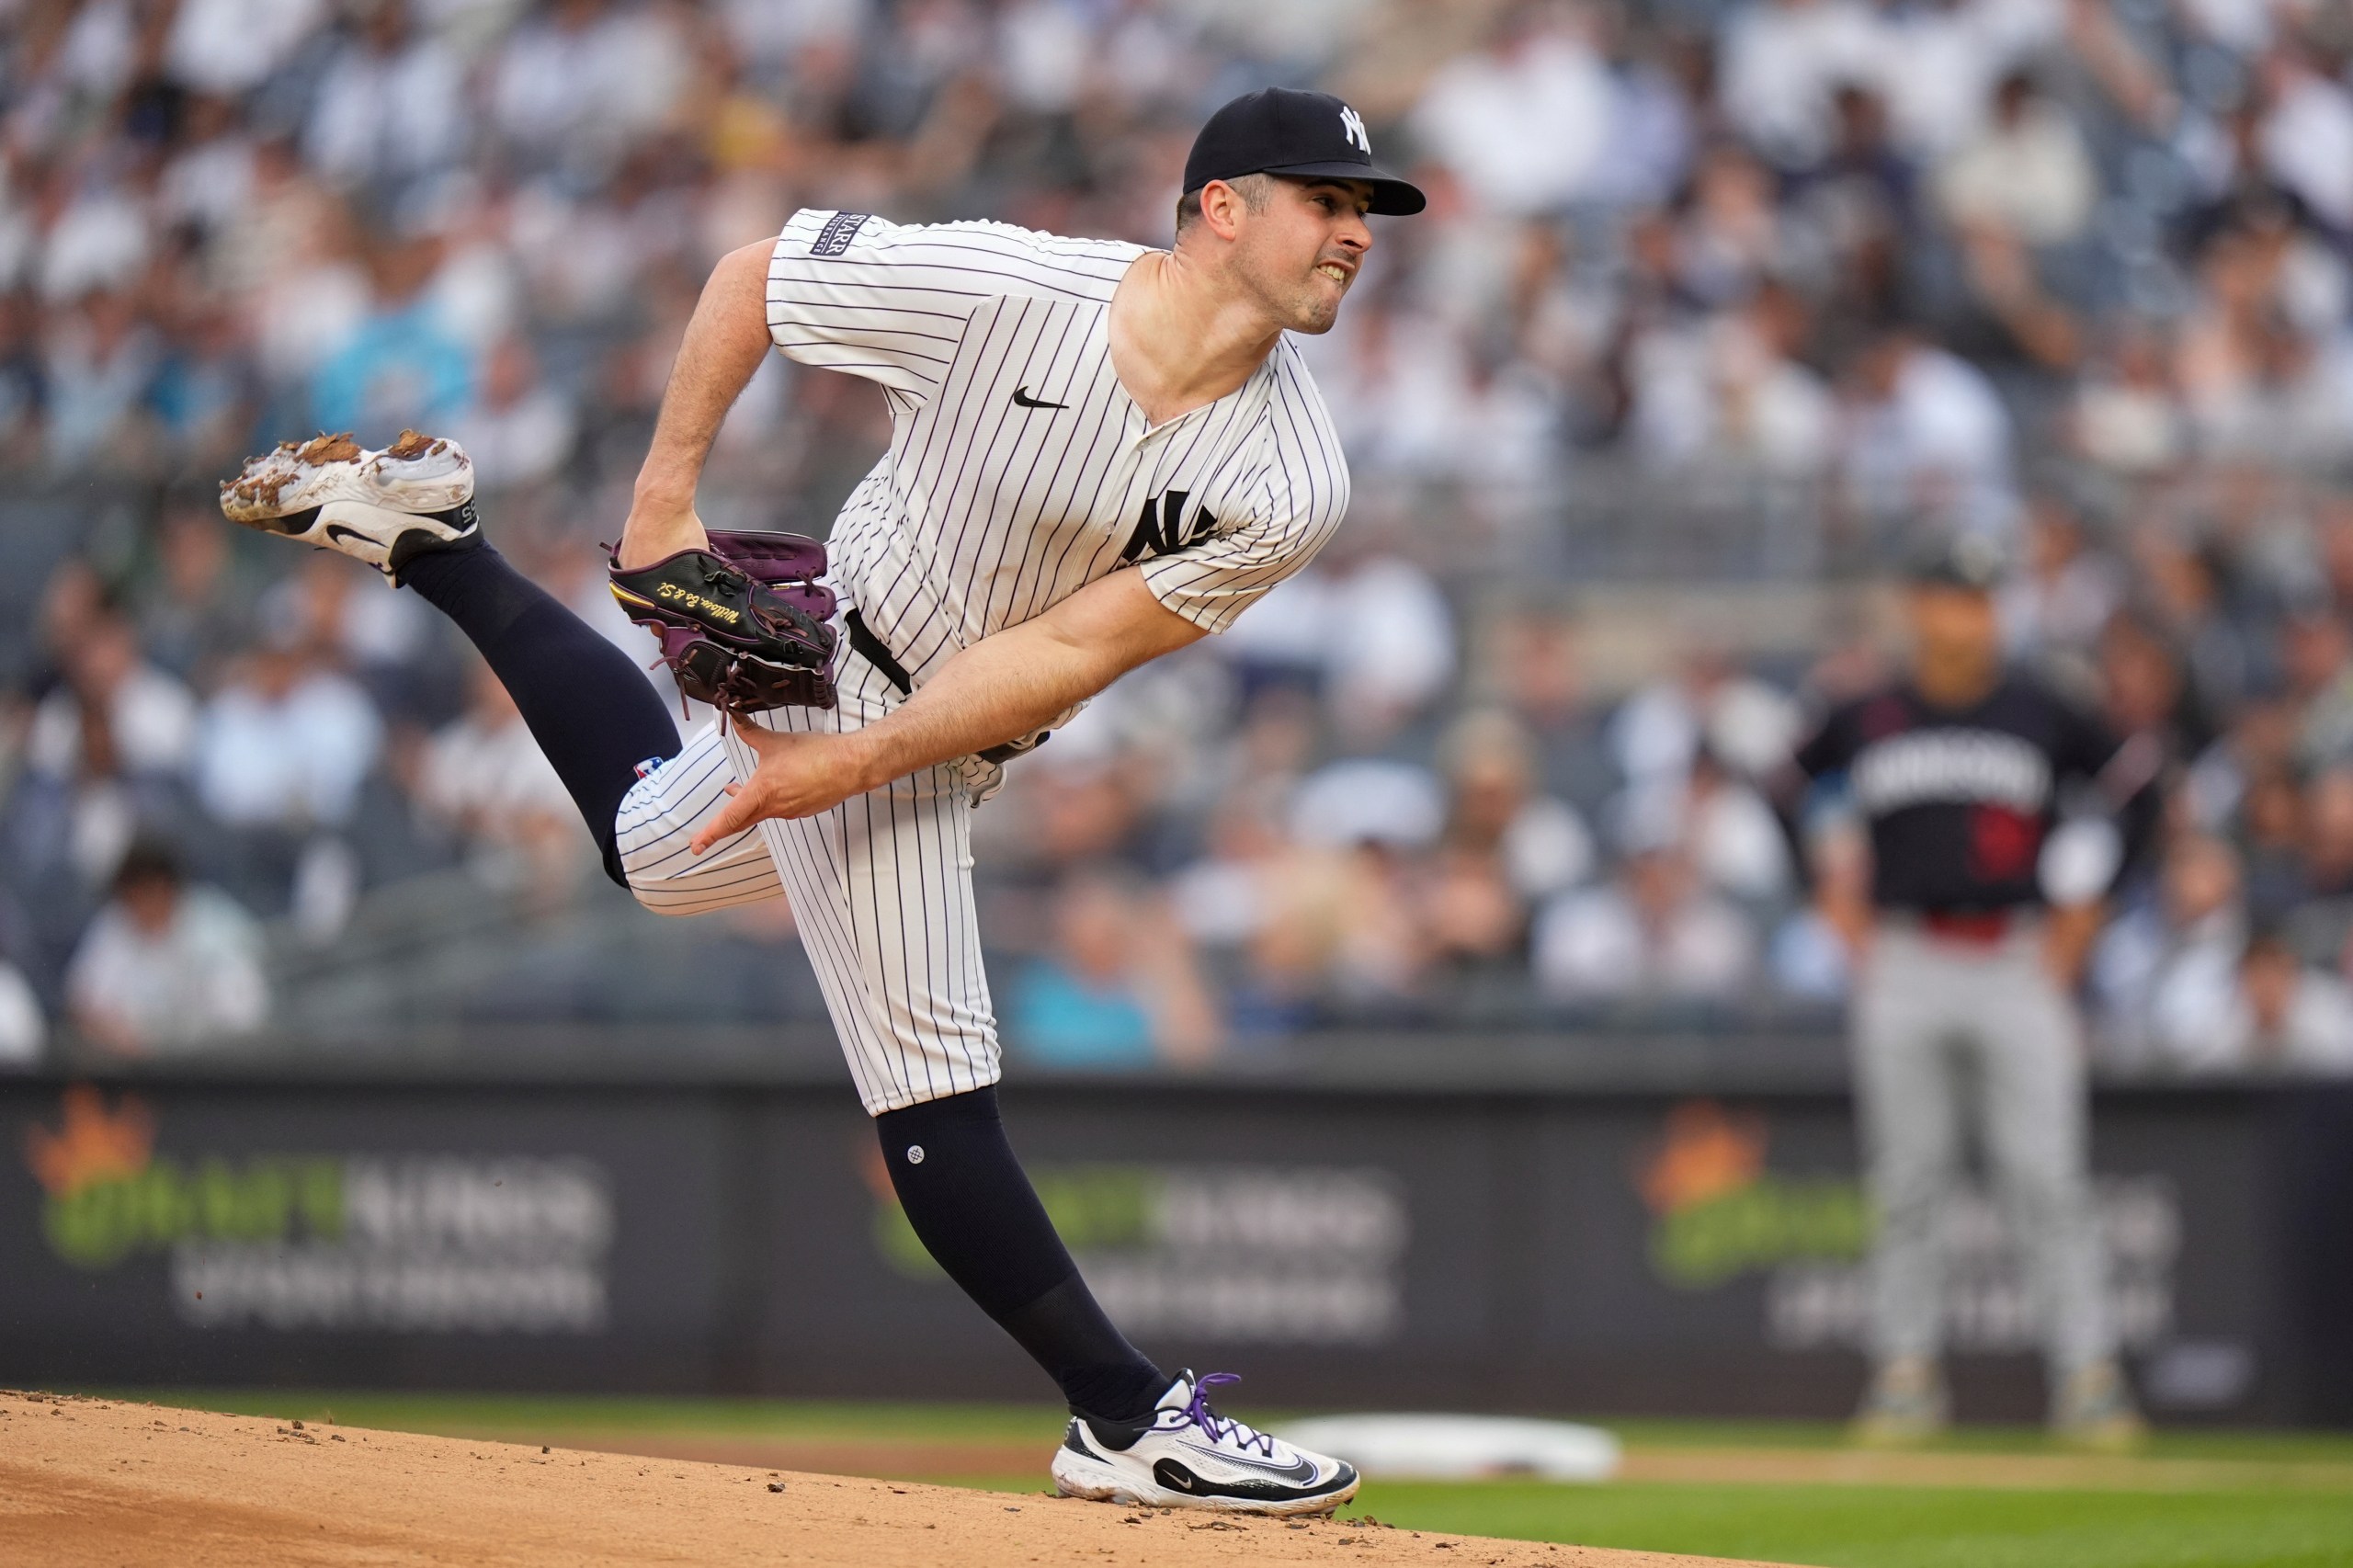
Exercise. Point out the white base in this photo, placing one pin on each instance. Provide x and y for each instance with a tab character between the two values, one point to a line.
1458	1448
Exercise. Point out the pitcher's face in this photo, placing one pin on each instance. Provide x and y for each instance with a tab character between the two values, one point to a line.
1298	253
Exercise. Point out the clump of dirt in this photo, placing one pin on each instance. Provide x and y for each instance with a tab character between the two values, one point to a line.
263	477
323	448
413	444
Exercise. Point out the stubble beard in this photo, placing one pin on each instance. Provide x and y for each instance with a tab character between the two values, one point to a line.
1303	306
1317	311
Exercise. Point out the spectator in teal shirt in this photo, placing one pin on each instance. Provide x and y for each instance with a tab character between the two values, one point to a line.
401	367
1117	991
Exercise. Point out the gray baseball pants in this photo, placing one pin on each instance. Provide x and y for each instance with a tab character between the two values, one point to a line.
1949	1032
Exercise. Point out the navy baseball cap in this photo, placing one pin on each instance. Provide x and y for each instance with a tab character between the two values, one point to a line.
1300	135
1966	561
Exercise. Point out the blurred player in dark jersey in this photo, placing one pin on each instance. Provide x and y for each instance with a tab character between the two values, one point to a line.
1999	814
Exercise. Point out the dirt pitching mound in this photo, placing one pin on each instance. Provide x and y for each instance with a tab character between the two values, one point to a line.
91	1482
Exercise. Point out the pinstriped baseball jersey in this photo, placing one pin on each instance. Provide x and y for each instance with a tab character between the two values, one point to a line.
1020	469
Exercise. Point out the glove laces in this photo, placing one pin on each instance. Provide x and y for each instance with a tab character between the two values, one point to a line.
1222	1427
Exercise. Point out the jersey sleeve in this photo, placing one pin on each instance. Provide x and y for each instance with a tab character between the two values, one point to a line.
2083	747
1295	510
1212	580
1831	747
845	293
890	301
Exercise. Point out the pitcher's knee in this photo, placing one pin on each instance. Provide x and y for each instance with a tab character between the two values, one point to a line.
669	880
655	897
672	895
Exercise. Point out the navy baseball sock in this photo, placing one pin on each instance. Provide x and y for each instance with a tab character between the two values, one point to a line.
978	1216
591	710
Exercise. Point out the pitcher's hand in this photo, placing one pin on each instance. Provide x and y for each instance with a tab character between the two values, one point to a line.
799	775
660	527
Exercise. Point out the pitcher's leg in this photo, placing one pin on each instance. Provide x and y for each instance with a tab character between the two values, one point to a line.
974	1209
657	823
407	511
590	707
881	888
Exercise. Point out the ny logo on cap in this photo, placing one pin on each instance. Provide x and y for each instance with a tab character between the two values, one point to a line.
1352	126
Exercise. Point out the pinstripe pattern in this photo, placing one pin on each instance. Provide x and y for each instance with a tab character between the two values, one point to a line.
985	512
659	818
880	886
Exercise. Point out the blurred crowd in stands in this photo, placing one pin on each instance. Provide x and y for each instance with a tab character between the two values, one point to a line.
1757	293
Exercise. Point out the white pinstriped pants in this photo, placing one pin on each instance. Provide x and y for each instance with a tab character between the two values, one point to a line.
880	886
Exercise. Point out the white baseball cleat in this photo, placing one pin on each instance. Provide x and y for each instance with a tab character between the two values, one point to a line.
1188	1456
385	509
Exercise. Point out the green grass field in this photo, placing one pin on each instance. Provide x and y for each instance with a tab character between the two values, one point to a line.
2204	1500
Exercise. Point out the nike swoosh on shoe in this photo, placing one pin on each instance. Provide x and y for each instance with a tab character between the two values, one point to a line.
1300	1470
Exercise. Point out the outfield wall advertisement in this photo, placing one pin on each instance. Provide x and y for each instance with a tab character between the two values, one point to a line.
1608	1252
186	1233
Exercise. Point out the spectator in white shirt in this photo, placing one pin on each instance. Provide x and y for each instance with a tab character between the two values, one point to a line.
2259	1010
1783	61
113	697
2195	927
1708	702
227	47
208	182
1525	121
2029	174
1928	436
1655	933
1736	845
166	967
1727	389
1391	651
576	83
486	777
2067	594
285	746
1944	59
106	750
100	360
99	242
519	429
2306	139
391	105
1539	842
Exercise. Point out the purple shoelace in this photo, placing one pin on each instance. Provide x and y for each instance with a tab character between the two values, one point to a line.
1218	1427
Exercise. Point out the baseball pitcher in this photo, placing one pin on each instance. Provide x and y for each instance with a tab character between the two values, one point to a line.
1099	454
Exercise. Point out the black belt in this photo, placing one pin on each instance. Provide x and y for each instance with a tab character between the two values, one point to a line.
870	648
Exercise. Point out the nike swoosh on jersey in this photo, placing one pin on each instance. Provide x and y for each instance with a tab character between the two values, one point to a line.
1302	1470
1021	396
